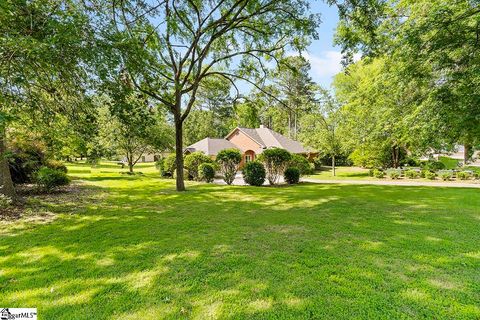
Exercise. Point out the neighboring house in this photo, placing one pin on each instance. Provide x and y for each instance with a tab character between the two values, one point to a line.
250	142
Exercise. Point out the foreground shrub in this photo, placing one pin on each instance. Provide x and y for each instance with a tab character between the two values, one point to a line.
292	175
169	165
5	201
411	174
463	175
275	161
25	159
206	172
430	175
432	165
302	164
193	160
228	160
377	173
254	173
446	175
56	165
394	174
49	179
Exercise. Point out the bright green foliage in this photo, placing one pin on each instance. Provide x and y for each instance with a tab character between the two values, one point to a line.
291	175
49	179
464	175
56	165
449	163
377	173
320	129
394	174
433	165
193	160
446	175
228	160
301	163
430	175
275	160
432	52
411	174
165	251
254	173
206	172
169	165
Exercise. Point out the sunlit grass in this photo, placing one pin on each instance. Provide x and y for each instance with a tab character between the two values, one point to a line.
133	248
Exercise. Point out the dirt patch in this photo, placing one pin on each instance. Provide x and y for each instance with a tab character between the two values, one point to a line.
36	205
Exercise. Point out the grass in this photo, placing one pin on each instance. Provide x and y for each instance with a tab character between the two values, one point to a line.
342	173
449	163
132	248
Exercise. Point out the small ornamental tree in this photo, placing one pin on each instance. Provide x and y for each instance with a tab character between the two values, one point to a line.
193	160
275	160
254	173
229	159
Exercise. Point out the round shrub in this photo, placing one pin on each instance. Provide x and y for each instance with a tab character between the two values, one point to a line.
193	160
56	165
275	160
430	175
206	172
302	164
49	179
169	165
228	160
254	173
377	173
463	175
394	174
445	175
411	174
433	165
292	175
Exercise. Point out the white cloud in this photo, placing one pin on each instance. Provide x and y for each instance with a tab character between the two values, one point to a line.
327	64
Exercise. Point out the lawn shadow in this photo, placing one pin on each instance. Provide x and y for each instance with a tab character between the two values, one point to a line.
139	249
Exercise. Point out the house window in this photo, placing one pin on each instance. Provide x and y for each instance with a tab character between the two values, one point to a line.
248	158
143	158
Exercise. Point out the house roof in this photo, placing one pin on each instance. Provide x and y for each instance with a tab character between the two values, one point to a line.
211	146
270	139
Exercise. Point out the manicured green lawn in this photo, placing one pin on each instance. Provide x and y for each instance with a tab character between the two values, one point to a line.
342	173
130	247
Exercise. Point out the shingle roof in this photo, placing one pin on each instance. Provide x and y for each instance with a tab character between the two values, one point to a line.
271	139
211	146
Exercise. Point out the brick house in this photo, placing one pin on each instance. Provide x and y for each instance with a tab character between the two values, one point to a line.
251	143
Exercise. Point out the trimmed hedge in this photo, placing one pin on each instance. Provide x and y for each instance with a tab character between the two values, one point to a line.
49	179
206	172
292	175
254	173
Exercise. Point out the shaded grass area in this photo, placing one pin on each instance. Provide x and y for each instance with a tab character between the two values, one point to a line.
136	249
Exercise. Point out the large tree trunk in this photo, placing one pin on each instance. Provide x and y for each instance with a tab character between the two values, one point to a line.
466	152
6	187
179	152
333	165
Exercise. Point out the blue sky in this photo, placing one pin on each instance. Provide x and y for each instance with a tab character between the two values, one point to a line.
324	57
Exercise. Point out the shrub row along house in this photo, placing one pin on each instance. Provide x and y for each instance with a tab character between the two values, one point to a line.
251	143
